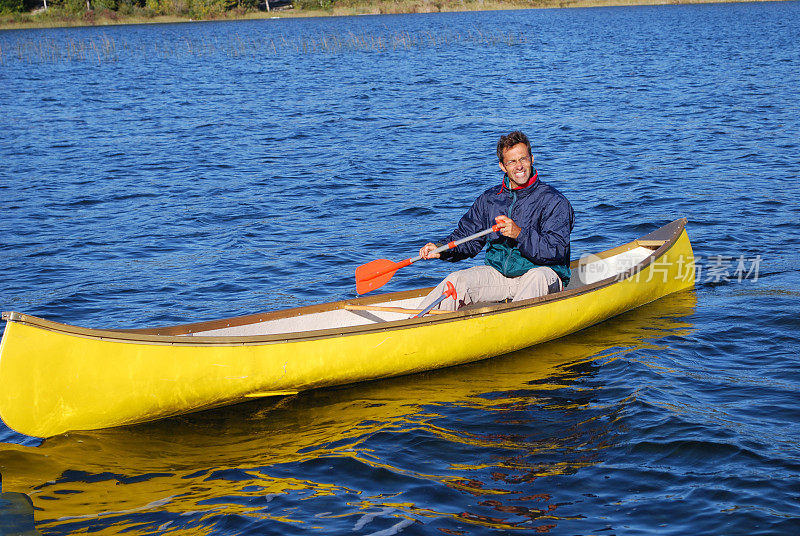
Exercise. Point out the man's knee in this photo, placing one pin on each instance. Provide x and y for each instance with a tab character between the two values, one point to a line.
537	282
475	284
465	282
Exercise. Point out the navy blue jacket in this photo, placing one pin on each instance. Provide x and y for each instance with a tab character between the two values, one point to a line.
545	217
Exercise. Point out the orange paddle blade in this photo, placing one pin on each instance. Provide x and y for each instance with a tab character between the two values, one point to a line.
375	274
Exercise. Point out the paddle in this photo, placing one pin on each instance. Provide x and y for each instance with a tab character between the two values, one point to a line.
377	273
449	291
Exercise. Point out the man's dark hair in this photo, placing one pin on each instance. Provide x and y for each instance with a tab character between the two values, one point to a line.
507	142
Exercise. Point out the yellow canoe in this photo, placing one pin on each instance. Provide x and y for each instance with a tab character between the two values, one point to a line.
55	377
333	423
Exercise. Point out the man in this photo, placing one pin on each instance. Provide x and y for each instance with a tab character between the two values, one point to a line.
529	257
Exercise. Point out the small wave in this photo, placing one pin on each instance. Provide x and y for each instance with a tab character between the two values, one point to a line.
416	211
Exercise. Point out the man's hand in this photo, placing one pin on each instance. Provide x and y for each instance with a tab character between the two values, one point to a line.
425	251
508	227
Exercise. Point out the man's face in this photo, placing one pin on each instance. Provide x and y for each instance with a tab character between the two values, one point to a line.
517	164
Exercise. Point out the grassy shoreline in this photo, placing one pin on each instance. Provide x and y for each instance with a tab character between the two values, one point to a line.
383	7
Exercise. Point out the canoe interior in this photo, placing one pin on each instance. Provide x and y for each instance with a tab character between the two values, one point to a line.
592	270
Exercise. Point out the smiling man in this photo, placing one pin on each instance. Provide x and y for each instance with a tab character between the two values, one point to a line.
529	256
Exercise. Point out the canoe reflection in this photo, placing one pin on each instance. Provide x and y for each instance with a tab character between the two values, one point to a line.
450	447
16	514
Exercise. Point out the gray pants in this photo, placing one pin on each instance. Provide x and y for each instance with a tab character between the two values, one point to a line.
485	284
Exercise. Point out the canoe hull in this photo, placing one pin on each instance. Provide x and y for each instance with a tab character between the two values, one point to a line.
55	379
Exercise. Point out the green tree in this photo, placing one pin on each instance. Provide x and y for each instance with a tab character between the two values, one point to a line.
11	6
314	4
202	9
111	5
72	7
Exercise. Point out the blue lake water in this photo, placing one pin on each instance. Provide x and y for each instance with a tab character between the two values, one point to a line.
174	173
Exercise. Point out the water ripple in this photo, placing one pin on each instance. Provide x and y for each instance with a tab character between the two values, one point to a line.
160	174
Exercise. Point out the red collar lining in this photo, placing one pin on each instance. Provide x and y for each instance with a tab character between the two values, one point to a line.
530	182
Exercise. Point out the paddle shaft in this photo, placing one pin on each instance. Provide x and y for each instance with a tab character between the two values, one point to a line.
377	273
449	291
455	243
427	310
389	309
449	245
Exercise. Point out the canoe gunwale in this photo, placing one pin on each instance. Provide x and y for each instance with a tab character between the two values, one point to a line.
180	335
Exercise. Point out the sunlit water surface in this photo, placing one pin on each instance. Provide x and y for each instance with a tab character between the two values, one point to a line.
174	173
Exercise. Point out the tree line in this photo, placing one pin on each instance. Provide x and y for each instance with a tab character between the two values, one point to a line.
199	9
